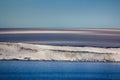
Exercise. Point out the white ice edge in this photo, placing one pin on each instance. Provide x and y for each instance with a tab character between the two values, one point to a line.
24	51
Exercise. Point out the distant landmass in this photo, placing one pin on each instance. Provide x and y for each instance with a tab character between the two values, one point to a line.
24	51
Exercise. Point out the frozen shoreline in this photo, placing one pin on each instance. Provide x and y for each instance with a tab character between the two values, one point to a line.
23	51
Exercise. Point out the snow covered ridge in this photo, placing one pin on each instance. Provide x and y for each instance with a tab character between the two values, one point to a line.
24	51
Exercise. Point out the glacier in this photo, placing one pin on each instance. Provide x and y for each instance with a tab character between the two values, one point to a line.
26	51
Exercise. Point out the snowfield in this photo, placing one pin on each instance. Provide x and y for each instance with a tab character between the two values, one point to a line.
24	51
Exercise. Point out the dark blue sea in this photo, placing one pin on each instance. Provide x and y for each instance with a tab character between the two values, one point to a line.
64	39
48	70
53	70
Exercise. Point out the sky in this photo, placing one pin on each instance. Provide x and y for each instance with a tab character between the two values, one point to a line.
59	13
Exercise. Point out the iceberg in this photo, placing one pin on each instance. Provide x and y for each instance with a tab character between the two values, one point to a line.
25	51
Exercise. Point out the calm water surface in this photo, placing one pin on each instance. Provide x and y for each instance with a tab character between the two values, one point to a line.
40	70
63	39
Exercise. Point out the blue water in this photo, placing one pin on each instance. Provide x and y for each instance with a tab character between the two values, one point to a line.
63	39
40	70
